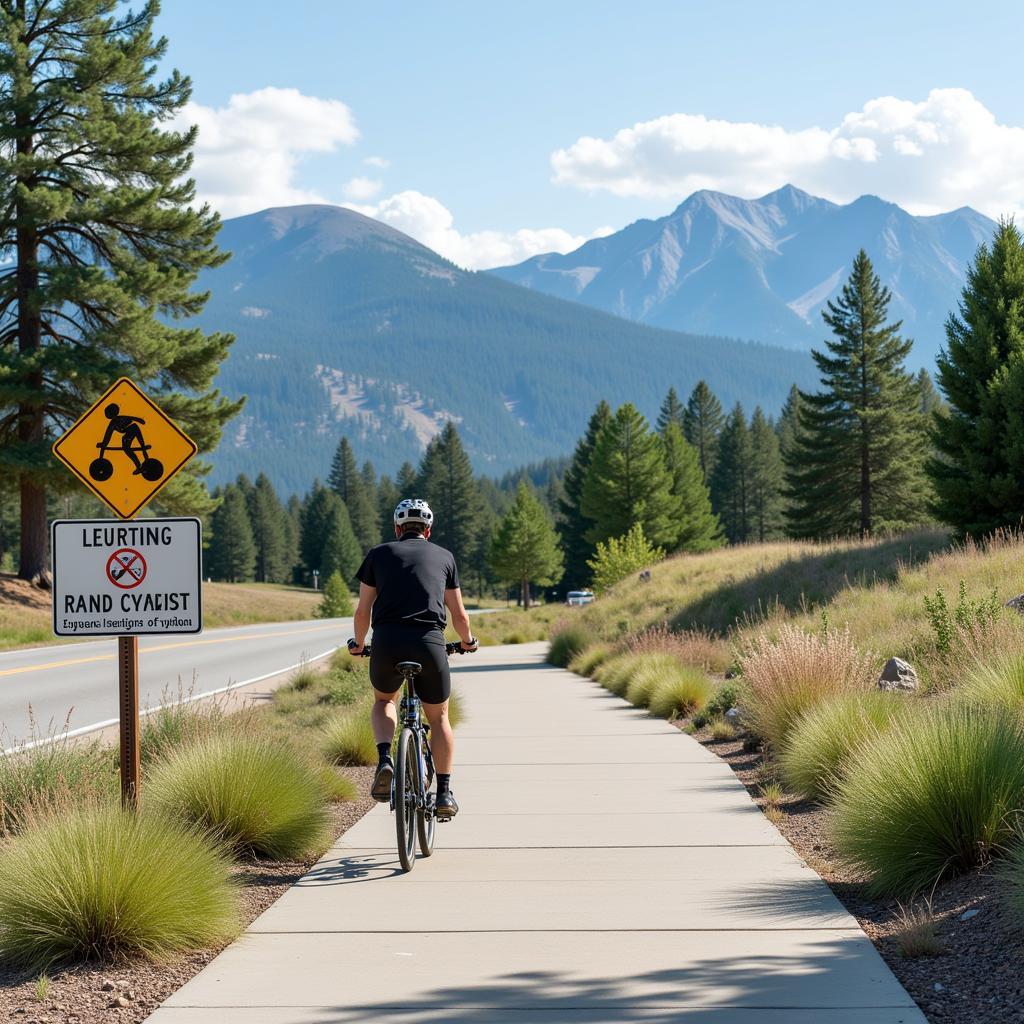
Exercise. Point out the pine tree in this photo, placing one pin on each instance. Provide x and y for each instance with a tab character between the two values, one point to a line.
268	530
789	422
702	424
348	483
672	411
371	488
732	478
574	526
698	527
627	482
525	548
930	400
104	240
341	550
337	600
316	522
446	481
766	478
978	473
292	533
387	499
407	482
232	553
858	463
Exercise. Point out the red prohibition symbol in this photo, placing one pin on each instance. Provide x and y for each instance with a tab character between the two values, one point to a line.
126	568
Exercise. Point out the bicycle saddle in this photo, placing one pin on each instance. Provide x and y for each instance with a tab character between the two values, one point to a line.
409	668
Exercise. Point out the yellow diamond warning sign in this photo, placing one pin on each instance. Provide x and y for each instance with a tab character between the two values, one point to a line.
124	449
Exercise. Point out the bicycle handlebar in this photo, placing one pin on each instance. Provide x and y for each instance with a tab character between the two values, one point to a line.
452	648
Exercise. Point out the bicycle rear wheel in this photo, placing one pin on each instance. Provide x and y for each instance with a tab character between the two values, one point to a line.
425	820
406	771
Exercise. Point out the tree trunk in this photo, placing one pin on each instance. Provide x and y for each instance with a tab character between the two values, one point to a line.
34	556
525	589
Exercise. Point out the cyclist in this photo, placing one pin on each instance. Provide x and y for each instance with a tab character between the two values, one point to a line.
405	586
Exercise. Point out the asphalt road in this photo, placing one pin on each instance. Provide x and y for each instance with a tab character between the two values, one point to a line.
77	683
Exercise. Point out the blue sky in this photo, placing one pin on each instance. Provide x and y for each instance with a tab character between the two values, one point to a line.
478	110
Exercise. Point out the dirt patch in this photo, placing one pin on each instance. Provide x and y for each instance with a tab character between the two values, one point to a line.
975	979
129	992
19	592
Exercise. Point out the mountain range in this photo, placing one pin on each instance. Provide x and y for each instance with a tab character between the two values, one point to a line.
347	326
764	268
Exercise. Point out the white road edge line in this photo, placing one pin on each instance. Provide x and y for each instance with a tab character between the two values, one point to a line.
82	730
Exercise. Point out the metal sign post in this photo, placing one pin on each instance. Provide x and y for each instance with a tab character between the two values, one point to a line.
125	449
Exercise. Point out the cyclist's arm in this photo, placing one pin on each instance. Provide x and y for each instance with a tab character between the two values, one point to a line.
361	619
460	618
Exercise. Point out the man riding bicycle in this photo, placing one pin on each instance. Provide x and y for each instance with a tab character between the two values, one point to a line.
405	587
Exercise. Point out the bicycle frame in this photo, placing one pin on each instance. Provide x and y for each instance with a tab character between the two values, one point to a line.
411	717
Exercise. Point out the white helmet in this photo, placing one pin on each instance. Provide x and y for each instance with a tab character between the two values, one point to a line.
413	510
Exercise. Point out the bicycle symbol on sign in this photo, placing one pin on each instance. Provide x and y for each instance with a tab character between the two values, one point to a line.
132	444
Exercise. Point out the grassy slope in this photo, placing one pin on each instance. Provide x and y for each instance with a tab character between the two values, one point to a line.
25	612
875	589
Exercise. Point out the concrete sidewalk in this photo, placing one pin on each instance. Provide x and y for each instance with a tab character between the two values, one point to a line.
604	868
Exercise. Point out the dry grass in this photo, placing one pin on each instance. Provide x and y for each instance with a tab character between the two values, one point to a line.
722	729
793	671
696	647
917	931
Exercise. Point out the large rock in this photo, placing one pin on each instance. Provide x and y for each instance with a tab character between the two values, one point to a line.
897	676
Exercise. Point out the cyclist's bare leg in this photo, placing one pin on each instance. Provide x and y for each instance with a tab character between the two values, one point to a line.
384	716
441	740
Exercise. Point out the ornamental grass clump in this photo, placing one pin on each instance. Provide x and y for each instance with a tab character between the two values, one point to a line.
998	683
97	883
694	647
935	795
680	692
824	738
566	643
348	738
614	674
790	674
587	661
257	795
650	671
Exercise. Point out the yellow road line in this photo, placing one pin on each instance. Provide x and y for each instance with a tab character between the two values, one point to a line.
69	662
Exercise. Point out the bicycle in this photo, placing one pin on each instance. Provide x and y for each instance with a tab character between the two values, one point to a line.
411	798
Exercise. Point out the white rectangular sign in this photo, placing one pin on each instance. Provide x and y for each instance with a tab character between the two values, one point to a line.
133	578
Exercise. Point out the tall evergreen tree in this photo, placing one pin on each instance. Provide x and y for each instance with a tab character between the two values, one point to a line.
446	481
703	422
574	525
525	548
407	482
349	484
930	400
672	411
858	462
731	478
371	490
104	240
387	499
292	533
627	482
789	422
766	479
268	529
698	526
342	552
978	473
232	554
316	524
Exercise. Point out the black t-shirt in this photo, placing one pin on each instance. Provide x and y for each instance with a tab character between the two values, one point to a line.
411	576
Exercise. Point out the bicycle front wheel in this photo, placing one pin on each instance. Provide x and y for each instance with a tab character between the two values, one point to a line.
406	772
425	820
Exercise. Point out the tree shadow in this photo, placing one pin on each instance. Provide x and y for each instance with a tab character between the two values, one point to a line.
805	582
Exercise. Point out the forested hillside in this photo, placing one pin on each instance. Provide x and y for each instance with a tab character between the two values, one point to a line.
346	326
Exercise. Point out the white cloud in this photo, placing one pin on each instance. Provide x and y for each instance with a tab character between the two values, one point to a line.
938	154
429	221
361	188
248	151
378	161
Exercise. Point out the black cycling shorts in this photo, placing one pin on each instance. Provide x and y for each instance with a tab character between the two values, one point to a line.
391	644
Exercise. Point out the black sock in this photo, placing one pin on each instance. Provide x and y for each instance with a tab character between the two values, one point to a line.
383	750
444	780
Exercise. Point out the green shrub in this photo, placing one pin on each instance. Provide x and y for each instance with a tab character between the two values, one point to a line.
566	643
681	691
649	671
788	674
587	661
932	796
614	674
515	638
725	697
257	795
967	615
348	738
51	774
824	738
722	729
337	600
304	677
96	882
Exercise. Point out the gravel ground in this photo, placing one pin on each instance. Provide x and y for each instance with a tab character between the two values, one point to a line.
976	978
129	992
